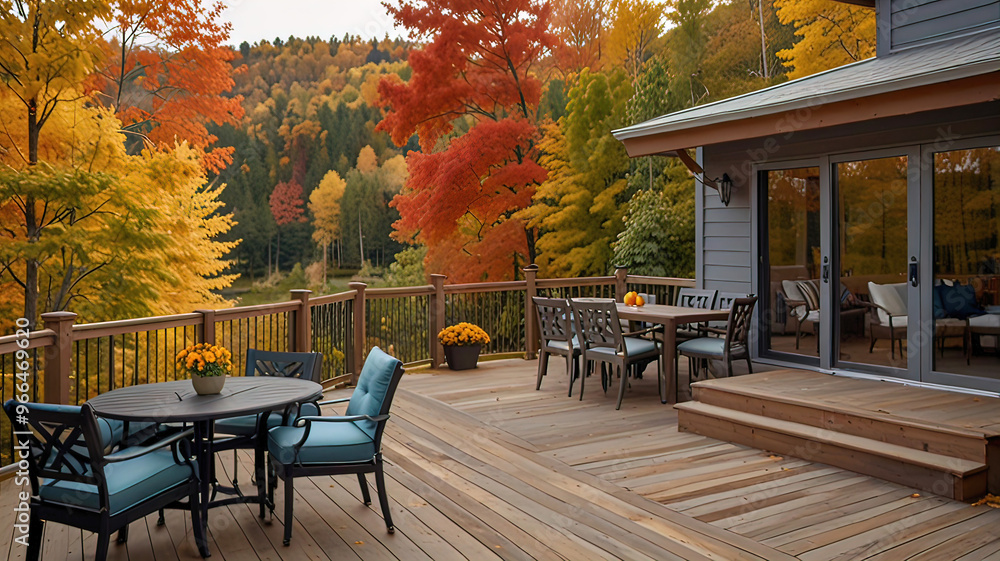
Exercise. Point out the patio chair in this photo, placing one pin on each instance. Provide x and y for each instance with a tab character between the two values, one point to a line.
76	483
244	429
733	346
602	340
331	445
888	315
804	300
555	325
694	298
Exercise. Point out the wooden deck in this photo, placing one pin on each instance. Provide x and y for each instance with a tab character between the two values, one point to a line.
484	467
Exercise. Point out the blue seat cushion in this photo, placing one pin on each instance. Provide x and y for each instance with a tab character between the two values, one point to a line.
564	345
703	346
634	346
245	425
328	443
129	483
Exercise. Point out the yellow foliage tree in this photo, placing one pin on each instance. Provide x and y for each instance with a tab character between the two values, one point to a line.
833	34
324	203
635	24
114	235
367	160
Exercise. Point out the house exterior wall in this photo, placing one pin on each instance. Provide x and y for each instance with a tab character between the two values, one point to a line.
907	23
728	239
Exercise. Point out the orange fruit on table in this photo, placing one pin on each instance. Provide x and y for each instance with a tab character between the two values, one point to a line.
639	300
630	298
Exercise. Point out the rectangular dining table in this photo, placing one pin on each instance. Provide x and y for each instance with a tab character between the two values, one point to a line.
669	317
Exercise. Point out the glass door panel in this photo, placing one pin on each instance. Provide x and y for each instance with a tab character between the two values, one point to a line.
966	292
871	316
791	265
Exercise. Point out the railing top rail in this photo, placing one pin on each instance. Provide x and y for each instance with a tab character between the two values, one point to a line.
36	339
244	312
466	288
397	291
333	298
84	331
585	281
664	281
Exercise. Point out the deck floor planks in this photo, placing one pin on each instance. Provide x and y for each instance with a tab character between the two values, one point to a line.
482	466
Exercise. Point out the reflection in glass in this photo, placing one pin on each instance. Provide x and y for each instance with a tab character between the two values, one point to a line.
966	295
872	235
793	253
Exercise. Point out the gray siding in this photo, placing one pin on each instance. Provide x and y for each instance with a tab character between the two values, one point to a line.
912	22
726	234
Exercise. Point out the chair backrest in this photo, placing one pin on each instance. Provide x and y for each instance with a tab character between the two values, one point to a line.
696	298
554	321
738	328
597	323
290	365
65	444
724	301
375	390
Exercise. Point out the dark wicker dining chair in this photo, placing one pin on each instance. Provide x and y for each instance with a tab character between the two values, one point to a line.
733	346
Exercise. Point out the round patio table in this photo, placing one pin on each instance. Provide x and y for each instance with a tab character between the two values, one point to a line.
177	402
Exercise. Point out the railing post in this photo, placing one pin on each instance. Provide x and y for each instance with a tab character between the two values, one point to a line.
437	319
530	325
58	365
621	274
207	326
357	356
301	341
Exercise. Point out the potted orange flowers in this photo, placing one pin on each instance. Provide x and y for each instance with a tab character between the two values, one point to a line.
207	365
462	344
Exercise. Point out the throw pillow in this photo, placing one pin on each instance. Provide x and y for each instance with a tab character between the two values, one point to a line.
960	301
810	293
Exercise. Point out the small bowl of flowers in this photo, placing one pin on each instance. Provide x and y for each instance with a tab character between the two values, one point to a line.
207	365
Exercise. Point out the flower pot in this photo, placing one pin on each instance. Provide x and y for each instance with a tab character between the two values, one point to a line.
462	357
207	385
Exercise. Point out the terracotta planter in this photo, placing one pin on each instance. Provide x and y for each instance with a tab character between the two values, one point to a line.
207	385
462	357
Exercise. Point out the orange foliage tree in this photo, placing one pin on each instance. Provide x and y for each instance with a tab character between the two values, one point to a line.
286	207
168	70
462	192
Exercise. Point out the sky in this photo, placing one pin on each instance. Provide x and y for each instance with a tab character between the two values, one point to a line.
254	20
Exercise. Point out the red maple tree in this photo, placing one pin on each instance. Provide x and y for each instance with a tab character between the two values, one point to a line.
286	203
286	207
460	200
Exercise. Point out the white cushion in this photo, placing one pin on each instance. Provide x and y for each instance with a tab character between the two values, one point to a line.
792	292
989	320
887	296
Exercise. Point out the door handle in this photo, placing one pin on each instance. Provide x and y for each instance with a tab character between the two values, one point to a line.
914	274
826	273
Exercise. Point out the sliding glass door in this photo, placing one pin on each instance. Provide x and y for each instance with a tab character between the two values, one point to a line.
884	262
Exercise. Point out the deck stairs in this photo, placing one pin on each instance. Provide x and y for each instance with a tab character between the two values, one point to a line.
943	458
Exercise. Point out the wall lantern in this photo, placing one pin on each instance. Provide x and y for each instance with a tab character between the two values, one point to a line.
725	188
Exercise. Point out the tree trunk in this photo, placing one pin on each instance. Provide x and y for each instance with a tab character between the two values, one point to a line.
277	254
31	227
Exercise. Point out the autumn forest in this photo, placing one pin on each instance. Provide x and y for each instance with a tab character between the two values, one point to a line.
147	165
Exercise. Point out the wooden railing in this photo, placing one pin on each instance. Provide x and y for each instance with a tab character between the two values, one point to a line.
70	363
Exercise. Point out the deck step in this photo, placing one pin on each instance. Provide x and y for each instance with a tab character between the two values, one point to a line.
928	471
948	440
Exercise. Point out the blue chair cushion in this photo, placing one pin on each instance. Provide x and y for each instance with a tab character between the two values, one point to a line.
129	483
703	346
373	386
564	345
328	443
634	346
245	425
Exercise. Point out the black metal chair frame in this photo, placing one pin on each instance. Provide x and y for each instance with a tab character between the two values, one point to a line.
555	325
307	366
288	472
598	326
57	443
736	337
